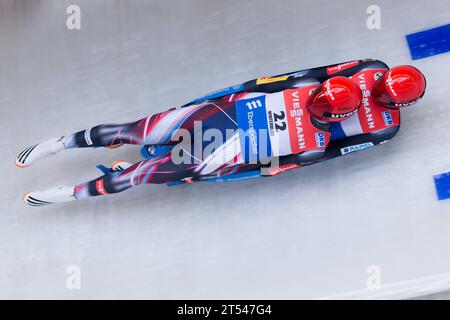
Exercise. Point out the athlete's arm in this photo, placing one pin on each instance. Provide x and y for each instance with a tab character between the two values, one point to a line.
359	142
291	79
334	149
295	79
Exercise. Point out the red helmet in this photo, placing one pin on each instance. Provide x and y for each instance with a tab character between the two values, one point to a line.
335	100
399	87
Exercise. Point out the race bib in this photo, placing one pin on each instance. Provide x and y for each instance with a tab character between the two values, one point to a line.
253	129
277	124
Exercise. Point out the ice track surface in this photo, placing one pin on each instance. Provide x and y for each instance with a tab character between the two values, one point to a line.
309	233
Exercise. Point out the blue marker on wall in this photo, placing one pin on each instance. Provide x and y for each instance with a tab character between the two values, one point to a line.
442	183
429	42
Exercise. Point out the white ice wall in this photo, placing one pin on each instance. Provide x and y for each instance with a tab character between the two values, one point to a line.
306	234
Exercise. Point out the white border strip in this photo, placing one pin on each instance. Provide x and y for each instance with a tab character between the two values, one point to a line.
398	290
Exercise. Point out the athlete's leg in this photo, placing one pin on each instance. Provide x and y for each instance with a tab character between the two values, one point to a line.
157	171
155	129
160	170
